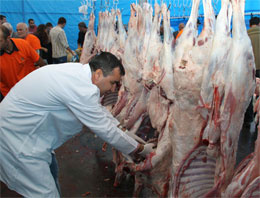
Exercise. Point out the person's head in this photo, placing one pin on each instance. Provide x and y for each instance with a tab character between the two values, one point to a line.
2	19
82	27
31	23
9	27
106	72
4	37
254	21
181	26
62	22
42	34
41	28
22	30
49	26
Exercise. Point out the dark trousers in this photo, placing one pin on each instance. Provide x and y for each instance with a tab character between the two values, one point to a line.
62	59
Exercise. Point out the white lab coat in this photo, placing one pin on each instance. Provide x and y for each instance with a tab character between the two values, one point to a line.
40	113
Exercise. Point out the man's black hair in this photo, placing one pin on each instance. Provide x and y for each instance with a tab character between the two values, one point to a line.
106	62
254	21
49	24
61	20
5	31
30	20
2	17
82	24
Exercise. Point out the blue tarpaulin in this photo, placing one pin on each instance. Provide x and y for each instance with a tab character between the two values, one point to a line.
43	11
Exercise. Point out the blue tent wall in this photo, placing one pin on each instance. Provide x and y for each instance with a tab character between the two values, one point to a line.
43	11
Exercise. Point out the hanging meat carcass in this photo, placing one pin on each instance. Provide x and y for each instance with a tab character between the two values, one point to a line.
89	46
102	31
195	176
238	92
122	36
157	103
189	63
130	109
246	180
151	67
154	171
129	114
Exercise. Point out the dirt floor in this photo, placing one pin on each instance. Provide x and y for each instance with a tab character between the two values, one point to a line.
87	171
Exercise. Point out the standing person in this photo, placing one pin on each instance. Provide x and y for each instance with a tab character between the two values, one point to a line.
181	31
181	26
2	19
47	108
32	27
22	31
81	37
17	59
59	42
254	35
82	31
49	26
42	35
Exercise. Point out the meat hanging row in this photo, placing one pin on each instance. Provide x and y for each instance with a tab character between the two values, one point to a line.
188	96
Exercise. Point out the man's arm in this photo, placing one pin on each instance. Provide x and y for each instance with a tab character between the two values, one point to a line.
64	42
86	108
68	48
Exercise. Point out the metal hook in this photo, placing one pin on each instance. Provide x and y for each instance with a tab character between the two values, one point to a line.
169	7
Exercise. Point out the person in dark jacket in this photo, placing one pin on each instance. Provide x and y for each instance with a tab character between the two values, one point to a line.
82	31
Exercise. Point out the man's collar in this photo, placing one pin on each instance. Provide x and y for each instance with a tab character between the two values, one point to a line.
14	49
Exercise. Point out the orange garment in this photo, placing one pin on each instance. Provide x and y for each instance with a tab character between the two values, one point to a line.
17	64
179	34
33	41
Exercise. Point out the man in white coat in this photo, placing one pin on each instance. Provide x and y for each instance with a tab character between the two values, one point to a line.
45	109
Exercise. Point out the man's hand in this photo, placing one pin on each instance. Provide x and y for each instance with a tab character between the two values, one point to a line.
148	148
141	152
